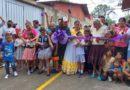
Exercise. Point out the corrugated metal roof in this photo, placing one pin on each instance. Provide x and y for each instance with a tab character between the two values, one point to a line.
126	5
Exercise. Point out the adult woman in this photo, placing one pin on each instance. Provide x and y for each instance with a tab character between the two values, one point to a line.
29	28
97	49
121	44
69	62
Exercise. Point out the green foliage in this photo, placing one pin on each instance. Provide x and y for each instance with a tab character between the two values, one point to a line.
102	10
64	0
127	17
110	21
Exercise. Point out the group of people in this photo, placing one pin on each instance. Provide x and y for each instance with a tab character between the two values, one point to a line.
101	50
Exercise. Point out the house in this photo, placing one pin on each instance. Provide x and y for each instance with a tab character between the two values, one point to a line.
74	11
126	5
20	10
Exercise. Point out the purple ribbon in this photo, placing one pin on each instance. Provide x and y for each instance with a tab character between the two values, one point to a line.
61	37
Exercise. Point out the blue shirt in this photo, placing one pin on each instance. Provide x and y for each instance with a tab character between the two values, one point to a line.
8	51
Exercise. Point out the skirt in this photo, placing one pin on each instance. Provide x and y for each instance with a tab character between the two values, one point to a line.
29	54
96	53
19	53
70	65
45	54
80	58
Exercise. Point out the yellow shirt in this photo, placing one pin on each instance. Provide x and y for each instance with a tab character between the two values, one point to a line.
74	32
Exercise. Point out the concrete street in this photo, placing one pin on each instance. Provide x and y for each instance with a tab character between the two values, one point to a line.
63	82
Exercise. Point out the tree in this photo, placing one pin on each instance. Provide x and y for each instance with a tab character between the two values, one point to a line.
127	17
102	10
110	21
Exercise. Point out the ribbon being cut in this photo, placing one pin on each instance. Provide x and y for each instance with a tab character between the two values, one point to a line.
61	37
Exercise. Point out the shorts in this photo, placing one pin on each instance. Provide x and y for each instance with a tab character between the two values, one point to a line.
114	67
80	58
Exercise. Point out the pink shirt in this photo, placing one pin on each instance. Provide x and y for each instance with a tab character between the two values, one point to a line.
25	33
121	42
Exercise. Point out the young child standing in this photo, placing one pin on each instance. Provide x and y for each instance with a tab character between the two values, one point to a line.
88	42
19	51
45	52
29	52
8	55
80	54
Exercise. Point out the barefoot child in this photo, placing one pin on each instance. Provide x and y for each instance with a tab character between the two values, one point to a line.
8	55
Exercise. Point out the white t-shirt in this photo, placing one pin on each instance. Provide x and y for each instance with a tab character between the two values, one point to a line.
98	33
18	42
80	49
10	30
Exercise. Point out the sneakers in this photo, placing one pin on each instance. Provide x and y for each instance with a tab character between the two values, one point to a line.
6	76
93	75
15	74
29	73
99	78
109	79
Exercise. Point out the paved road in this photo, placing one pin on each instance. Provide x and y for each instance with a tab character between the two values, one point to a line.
22	82
63	82
86	83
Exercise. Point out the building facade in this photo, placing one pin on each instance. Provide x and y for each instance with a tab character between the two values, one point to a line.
19	12
73	11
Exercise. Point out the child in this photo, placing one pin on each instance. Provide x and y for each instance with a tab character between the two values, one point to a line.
126	69
80	54
87	33
45	52
55	59
109	44
29	52
19	51
8	55
115	70
108	59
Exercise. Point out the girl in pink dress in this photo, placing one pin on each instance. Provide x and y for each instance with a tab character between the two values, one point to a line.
29	36
29	52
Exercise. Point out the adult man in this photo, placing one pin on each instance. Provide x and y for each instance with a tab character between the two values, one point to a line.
36	25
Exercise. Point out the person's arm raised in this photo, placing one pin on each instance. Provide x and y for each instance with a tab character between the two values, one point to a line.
47	19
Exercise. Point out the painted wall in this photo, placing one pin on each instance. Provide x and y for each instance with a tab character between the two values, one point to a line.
58	14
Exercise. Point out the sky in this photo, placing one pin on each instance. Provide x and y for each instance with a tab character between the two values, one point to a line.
93	3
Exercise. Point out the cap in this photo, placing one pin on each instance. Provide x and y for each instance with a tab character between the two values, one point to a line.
65	19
